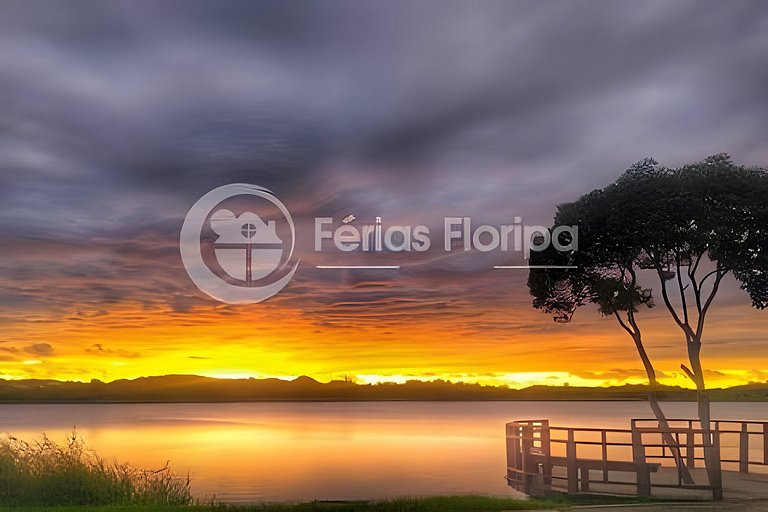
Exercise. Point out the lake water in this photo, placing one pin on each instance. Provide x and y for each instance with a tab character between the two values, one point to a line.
298	451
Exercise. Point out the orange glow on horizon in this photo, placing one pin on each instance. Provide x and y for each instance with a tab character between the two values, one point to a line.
272	340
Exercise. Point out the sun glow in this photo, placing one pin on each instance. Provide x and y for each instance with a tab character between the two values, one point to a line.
272	340
244	375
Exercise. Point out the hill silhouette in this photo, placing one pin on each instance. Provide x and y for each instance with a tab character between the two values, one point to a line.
192	388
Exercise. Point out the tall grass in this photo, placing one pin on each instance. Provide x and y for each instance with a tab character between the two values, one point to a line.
43	472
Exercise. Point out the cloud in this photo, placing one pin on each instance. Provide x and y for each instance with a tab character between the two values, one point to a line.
40	349
100	349
619	375
118	117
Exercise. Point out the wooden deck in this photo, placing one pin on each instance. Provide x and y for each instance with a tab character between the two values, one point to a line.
542	458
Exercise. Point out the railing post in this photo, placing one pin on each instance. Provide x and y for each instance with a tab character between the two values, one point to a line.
716	475
546	449
584	471
526	443
513	450
765	443
604	439
638	456
744	448
690	446
573	471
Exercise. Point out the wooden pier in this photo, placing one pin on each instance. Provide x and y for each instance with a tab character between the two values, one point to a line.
542	457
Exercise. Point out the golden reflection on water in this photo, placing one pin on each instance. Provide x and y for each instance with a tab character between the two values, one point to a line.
296	451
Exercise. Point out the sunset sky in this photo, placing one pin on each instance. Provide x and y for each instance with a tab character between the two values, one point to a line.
117	117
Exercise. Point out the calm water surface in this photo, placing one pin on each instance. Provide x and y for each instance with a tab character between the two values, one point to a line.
296	451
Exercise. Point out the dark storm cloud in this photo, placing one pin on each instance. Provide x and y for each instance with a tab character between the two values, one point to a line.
118	116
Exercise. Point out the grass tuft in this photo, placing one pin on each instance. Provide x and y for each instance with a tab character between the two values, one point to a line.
46	473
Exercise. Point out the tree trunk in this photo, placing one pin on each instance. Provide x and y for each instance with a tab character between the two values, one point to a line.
711	453
669	439
666	435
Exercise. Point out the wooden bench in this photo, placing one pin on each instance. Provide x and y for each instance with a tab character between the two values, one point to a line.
583	466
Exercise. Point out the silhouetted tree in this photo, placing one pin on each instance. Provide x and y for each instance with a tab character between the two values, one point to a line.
705	221
690	227
604	272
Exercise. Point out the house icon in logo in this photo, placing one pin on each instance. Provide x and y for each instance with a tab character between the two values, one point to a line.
247	247
250	260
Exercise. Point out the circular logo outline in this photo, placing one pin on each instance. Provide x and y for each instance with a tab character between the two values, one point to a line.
191	255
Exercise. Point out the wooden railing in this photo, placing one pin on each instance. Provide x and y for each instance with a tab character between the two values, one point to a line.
738	433
535	448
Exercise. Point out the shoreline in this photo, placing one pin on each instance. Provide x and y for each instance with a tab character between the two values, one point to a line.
336	401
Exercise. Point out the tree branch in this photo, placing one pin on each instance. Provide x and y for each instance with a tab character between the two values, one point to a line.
665	295
621	321
683	298
693	268
683	326
714	272
715	287
688	372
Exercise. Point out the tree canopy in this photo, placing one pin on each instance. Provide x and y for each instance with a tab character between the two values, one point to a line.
674	221
691	226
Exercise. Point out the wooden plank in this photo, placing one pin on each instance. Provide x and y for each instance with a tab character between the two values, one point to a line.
573	470
744	449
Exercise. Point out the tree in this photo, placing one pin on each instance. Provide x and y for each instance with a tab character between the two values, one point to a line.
603	272
690	227
707	221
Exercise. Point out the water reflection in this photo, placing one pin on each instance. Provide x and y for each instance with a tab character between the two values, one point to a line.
296	451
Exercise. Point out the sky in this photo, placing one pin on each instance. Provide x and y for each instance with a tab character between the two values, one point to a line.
116	117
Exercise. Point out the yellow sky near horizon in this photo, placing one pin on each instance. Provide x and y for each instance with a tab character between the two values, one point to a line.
276	339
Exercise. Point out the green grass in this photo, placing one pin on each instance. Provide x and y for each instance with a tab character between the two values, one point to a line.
433	504
427	504
45	473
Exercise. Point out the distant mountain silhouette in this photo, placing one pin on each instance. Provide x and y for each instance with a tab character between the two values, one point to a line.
193	388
